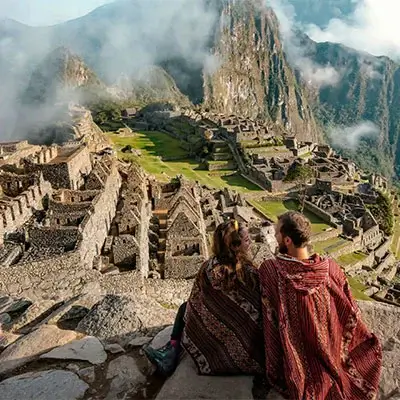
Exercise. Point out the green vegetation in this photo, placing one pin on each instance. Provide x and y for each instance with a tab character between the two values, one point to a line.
155	146
357	289
272	209
299	173
254	144
352	258
382	210
330	245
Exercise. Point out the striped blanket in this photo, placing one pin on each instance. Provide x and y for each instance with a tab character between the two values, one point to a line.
223	329
316	345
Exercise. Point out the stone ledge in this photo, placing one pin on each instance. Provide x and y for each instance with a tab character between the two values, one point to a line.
187	384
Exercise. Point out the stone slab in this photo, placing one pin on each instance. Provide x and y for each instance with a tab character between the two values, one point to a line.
126	377
33	345
187	384
86	349
47	385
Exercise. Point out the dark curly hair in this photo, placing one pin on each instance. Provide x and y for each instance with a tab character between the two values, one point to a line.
295	225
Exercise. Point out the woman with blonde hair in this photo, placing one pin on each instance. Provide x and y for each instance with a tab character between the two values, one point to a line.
220	325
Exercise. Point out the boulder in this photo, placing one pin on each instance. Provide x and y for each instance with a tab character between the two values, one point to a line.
86	349
33	345
187	384
113	316
46	385
162	338
126	377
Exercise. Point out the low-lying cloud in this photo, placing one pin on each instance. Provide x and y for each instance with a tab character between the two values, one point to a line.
314	74
373	27
349	138
123	38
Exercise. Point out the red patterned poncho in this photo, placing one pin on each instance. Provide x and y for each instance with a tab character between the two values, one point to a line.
316	345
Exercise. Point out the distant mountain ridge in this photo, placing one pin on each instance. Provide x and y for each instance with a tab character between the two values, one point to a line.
247	70
368	90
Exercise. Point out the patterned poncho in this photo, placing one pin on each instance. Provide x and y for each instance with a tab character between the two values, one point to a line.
223	329
316	345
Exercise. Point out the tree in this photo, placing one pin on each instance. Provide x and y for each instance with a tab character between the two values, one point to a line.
382	211
300	174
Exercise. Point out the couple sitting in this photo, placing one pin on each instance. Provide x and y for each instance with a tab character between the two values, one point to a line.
292	321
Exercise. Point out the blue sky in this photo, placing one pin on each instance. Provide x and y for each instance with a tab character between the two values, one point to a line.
47	12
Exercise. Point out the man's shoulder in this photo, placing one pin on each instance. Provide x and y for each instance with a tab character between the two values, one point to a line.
335	270
267	265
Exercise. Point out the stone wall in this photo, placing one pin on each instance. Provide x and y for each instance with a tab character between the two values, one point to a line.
96	225
13	185
20	209
45	155
79	167
371	237
66	171
386	263
326	217
182	267
49	278
125	251
75	196
381	251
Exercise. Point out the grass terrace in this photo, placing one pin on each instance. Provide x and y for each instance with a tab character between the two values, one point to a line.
156	145
357	289
272	209
330	245
352	258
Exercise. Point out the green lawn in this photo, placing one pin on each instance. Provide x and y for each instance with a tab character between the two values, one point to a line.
155	145
357	289
352	258
330	245
272	209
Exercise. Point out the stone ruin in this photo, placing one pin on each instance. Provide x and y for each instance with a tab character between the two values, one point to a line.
349	214
265	155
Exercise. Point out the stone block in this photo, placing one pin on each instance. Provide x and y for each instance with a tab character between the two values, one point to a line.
187	384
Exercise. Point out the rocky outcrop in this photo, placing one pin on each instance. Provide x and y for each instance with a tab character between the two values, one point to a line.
254	78
31	346
113	316
59	73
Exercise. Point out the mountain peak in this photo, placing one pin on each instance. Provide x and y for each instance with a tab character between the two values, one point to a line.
61	70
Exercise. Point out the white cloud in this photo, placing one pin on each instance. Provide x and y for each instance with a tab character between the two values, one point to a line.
373	27
314	74
349	137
